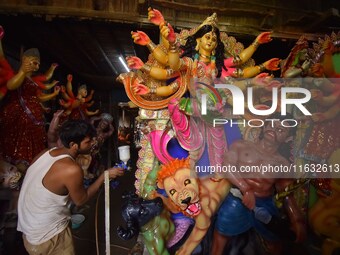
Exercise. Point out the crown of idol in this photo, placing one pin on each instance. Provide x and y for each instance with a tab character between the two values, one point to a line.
83	86
211	20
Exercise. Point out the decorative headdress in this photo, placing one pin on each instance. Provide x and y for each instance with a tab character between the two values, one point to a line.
82	87
33	52
301	44
317	51
211	20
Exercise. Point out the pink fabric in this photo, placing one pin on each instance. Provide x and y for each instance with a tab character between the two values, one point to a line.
229	69
227	73
229	62
186	130
159	140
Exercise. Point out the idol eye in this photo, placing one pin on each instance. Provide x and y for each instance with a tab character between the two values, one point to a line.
172	192
186	182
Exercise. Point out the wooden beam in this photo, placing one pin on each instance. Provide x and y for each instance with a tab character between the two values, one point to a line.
203	9
332	12
180	22
50	12
70	37
103	53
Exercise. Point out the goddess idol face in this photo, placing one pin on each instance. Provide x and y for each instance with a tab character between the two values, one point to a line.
34	63
208	42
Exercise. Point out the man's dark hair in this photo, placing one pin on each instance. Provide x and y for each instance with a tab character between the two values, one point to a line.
75	131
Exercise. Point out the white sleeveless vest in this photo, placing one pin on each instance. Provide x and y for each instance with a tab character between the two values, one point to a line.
41	213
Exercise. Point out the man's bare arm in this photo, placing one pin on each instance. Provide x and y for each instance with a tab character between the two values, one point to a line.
74	183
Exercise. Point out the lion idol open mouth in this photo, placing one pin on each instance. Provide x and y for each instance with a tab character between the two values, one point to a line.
193	209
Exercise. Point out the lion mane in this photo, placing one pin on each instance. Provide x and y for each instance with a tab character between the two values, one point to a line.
171	168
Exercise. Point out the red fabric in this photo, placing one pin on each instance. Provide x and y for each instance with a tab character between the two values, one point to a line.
324	139
6	73
39	79
3	92
79	113
20	137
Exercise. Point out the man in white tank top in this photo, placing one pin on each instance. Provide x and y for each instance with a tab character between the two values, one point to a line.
52	179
